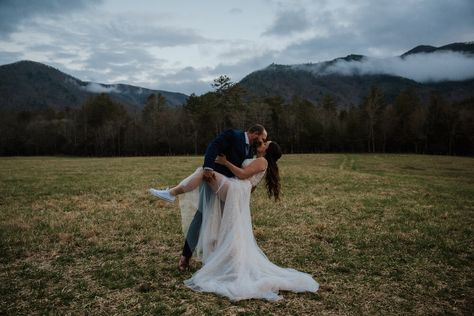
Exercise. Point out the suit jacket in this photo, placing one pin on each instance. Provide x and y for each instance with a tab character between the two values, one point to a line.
231	143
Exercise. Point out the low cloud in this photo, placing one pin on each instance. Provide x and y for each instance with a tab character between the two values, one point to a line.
99	88
433	67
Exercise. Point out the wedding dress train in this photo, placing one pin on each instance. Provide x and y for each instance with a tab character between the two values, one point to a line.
233	264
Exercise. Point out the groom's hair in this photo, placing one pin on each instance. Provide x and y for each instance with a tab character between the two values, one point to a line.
257	128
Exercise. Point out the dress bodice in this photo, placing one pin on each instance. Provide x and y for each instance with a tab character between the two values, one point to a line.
256	178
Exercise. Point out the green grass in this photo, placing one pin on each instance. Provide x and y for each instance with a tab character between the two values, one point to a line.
382	234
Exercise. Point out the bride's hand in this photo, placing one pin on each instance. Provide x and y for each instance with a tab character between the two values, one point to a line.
221	159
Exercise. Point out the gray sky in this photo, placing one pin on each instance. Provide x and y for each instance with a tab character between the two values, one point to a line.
182	45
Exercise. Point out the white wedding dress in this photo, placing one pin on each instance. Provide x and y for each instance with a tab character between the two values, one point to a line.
233	264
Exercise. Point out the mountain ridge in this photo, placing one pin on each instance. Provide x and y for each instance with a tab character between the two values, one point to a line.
463	47
313	81
26	85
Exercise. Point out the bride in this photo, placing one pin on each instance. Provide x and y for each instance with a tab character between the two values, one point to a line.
233	264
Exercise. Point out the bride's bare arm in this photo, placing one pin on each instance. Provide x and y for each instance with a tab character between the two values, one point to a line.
256	166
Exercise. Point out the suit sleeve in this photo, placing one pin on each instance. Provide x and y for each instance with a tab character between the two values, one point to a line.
217	146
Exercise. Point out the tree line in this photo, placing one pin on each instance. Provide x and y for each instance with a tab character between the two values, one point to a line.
104	127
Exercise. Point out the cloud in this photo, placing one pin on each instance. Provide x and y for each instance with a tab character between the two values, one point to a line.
99	49
131	31
123	58
186	80
236	71
9	57
322	48
235	11
99	88
434	67
15	12
379	28
415	19
288	22
198	80
411	23
197	87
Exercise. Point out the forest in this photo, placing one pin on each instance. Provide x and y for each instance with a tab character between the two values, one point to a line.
104	127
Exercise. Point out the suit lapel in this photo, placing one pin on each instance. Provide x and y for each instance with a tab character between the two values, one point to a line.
243	144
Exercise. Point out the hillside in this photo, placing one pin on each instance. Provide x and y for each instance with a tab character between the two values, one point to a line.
466	48
314	81
32	85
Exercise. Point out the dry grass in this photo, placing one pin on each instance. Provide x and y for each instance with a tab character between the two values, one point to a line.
383	234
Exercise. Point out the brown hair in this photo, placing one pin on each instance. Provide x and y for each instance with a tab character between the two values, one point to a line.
257	128
272	176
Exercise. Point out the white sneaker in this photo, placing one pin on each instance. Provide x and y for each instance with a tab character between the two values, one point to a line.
163	194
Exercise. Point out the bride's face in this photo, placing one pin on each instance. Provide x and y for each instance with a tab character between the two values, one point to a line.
262	147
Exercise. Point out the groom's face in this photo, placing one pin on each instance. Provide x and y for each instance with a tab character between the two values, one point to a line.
258	138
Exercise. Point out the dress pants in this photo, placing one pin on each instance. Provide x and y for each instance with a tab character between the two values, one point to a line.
205	194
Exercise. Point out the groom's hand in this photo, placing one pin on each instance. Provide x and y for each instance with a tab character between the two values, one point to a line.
208	175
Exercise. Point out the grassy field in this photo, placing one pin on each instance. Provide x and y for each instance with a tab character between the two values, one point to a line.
382	234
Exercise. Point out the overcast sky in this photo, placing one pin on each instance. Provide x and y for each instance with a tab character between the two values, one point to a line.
182	45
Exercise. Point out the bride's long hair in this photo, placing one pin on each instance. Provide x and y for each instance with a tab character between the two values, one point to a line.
272	176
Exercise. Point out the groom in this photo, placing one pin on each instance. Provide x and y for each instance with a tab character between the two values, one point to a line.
236	145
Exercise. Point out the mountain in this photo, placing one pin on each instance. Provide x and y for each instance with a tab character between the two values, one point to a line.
27	85
466	48
31	85
348	85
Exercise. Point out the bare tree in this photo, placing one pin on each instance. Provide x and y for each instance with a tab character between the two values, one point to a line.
372	106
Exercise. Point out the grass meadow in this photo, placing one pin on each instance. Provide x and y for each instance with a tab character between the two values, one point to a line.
382	234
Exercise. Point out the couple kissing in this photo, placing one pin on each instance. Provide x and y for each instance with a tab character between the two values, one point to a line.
216	219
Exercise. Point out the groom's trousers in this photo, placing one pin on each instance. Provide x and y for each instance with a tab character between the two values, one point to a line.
192	237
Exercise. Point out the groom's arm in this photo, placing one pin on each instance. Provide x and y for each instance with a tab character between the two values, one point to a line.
217	146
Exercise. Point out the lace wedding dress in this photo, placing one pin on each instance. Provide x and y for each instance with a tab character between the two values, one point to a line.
233	264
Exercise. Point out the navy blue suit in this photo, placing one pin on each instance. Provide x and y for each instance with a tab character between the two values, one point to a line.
232	144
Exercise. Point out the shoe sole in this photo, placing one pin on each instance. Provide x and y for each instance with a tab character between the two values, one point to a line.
161	197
